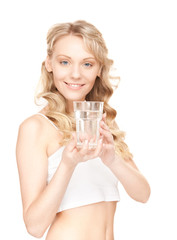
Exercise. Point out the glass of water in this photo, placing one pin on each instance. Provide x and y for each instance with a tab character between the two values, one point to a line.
88	115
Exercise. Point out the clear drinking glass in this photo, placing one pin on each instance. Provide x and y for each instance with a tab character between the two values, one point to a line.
88	115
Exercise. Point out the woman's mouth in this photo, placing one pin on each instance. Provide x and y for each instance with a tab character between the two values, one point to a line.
74	86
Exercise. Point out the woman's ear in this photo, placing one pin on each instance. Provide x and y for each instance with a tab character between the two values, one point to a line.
48	64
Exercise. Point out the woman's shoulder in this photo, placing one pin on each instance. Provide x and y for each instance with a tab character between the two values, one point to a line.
31	130
33	122
38	127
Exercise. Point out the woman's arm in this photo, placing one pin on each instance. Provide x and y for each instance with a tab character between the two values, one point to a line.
41	201
132	180
128	174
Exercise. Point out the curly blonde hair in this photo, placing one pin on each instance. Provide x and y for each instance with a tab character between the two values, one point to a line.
101	91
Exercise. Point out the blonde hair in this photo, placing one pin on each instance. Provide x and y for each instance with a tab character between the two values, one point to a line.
101	91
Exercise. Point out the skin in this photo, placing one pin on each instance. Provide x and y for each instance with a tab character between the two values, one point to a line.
74	76
72	68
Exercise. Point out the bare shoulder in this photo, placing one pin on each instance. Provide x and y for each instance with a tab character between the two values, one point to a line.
31	133
34	126
32	123
39	131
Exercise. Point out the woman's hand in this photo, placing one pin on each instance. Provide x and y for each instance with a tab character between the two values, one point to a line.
107	154
73	155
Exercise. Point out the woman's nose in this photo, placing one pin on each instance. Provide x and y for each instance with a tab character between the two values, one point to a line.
75	72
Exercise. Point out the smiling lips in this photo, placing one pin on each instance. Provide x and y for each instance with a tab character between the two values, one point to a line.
74	86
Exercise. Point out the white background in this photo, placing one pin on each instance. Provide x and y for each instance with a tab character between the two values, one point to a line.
142	39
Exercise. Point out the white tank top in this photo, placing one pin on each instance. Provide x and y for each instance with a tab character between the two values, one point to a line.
91	182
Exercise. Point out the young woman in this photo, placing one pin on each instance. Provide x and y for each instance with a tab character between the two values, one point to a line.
72	191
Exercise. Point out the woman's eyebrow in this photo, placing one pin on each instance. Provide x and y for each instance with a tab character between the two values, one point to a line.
89	58
61	55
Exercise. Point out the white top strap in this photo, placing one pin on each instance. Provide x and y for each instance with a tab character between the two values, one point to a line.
48	120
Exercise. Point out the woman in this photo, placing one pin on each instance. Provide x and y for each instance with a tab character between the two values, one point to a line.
60	188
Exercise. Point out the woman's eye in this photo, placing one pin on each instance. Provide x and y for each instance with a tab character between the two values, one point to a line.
65	63
87	64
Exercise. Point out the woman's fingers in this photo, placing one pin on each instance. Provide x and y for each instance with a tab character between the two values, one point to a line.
72	144
86	152
99	147
104	126
84	148
105	132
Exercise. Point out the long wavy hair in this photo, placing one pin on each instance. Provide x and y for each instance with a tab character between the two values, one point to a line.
101	91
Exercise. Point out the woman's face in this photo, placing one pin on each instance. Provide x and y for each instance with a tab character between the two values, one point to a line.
74	68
